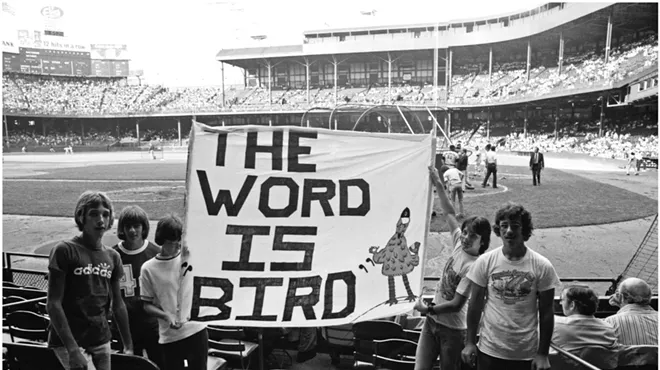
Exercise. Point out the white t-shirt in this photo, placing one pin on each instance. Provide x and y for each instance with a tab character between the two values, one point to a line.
161	283
491	157
509	325
453	282
452	177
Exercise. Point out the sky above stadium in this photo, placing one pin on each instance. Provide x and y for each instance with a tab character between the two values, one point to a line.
175	42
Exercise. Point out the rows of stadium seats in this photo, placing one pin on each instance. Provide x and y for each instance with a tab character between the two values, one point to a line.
586	70
470	85
387	343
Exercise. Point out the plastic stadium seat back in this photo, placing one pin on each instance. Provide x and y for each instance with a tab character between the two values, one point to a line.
366	332
228	343
394	354
120	361
27	325
31	357
638	357
600	357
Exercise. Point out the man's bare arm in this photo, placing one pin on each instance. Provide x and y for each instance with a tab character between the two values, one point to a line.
447	208
58	320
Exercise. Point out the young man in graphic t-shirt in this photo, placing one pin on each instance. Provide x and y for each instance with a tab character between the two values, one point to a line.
83	276
445	326
134	250
518	316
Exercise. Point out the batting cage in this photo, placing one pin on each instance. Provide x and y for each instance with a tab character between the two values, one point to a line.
395	119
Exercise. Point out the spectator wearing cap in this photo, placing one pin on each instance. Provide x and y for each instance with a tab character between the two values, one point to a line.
636	323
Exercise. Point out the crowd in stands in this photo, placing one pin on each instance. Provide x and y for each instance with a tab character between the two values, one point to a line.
93	137
470	84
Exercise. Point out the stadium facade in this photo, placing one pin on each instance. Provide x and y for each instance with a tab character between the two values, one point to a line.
551	65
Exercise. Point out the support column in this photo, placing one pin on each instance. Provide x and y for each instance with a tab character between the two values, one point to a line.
561	53
270	84
529	57
602	115
488	125
137	131
82	132
450	56
556	121
436	61
222	74
389	75
178	129
490	66
4	118
608	39
335	65
525	124
307	79
448	124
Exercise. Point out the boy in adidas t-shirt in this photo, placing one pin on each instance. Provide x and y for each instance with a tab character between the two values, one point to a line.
166	289
134	250
445	327
83	276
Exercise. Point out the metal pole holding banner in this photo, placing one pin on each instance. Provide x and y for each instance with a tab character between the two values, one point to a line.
429	207
437	125
405	120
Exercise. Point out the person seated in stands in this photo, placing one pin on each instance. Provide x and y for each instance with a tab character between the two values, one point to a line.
83	276
134	250
445	326
636	323
580	328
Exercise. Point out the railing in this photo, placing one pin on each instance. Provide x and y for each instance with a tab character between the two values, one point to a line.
573	357
23	276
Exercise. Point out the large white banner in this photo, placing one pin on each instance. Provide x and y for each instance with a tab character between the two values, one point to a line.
296	227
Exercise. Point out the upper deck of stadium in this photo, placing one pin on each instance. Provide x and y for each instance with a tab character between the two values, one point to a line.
570	19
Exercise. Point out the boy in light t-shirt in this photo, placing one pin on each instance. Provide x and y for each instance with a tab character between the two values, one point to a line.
166	289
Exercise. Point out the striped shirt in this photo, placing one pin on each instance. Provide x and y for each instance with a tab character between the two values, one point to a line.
635	324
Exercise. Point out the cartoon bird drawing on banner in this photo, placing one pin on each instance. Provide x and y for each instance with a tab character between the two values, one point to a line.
397	258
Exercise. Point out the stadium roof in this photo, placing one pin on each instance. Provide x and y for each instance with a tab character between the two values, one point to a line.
477	20
266	51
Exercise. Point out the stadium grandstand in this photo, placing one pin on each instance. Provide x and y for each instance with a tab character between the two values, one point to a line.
578	77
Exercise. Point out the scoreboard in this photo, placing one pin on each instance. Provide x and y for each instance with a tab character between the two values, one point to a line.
61	62
109	68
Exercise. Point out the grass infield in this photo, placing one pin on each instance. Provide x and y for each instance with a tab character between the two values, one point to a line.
563	199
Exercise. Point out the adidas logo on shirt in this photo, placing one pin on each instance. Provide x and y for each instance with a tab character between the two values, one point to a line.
103	270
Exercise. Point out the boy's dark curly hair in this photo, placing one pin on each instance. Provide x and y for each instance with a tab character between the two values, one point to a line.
513	211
